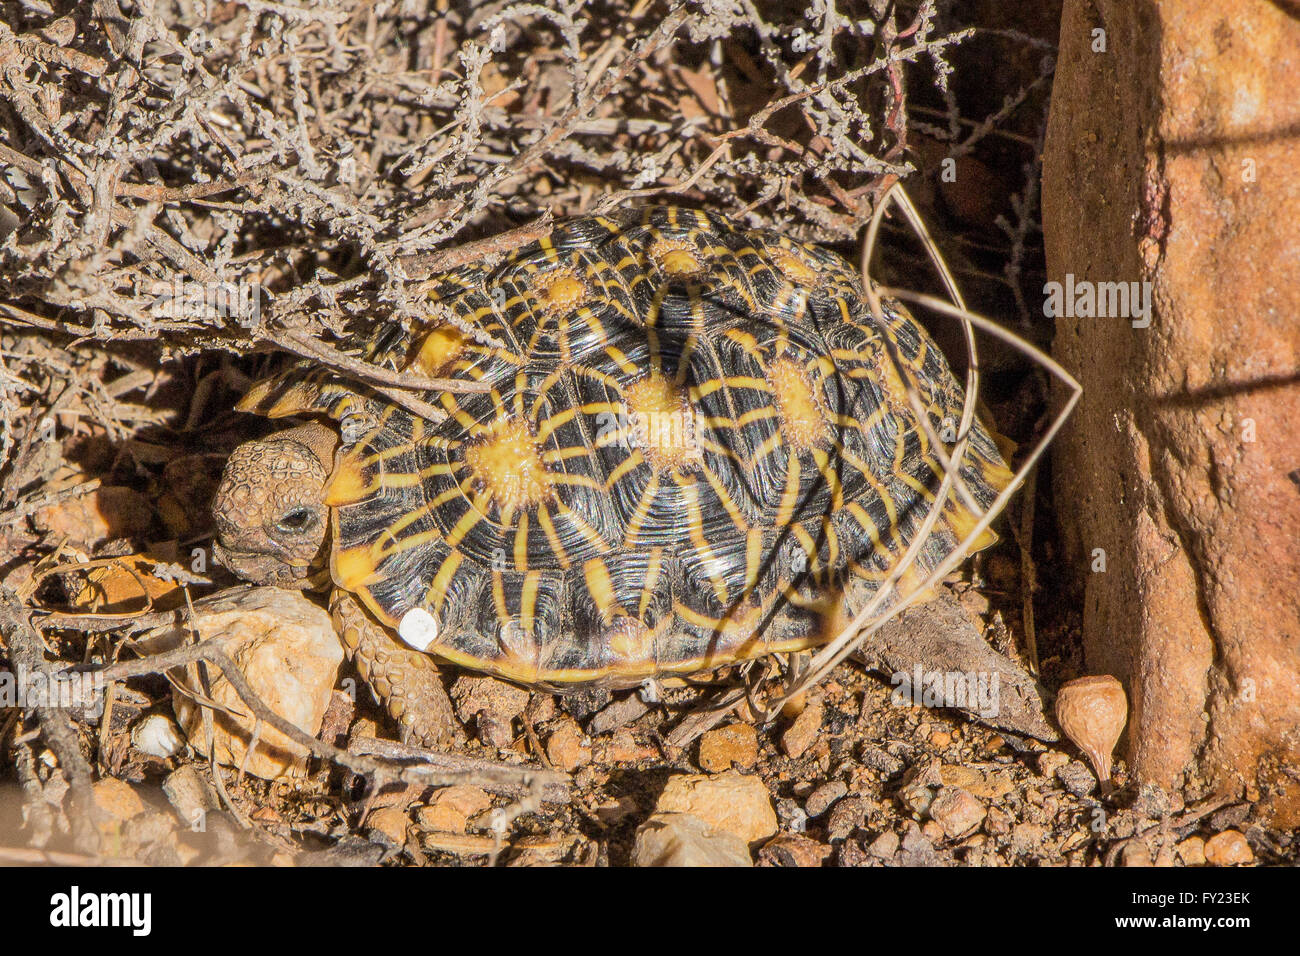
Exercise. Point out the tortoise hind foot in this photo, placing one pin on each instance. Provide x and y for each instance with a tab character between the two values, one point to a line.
406	680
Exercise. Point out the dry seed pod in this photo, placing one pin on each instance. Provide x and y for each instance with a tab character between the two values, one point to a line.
1092	712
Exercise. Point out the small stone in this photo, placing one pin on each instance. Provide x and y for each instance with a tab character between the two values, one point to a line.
92	519
791	849
956	811
1077	778
884	846
846	816
916	797
851	853
1027	836
287	650
820	800
450	808
682	839
734	802
117	801
568	748
916	849
390	824
932	831
792	816
1135	853
987	785
1227	849
1049	761
997	823
148	829
940	739
725	747
191	796
490	706
1192	851
624	747
803	731
881	761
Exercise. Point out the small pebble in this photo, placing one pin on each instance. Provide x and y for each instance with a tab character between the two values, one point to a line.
567	747
916	797
725	747
884	846
1077	778
1049	761
803	731
158	736
450	808
820	800
845	816
388	823
1192	851
791	849
734	802
681	839
956	812
1135	853
1228	848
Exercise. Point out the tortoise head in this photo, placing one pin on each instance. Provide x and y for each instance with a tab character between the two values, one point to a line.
271	519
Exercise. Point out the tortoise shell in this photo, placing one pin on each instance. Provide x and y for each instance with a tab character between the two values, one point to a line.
694	450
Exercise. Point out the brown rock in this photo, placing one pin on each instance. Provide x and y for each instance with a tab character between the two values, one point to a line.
803	731
567	747
490	706
92	519
956	811
450	808
1192	851
390	823
725	747
1228	848
1170	159
734	802
286	648
117	801
793	849
681	839
821	799
624	747
884	846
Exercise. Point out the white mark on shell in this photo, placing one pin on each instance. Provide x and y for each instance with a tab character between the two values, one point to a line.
418	628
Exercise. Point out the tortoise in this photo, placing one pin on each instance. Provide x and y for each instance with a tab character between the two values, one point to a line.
692	449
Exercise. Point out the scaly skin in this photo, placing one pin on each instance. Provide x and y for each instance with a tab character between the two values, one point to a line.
273	528
405	680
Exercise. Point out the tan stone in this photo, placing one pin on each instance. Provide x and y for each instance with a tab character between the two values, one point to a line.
567	747
1228	848
116	800
681	839
734	802
725	747
287	650
451	808
1171	159
803	731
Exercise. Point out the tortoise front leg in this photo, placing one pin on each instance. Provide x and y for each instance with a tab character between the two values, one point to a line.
404	679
